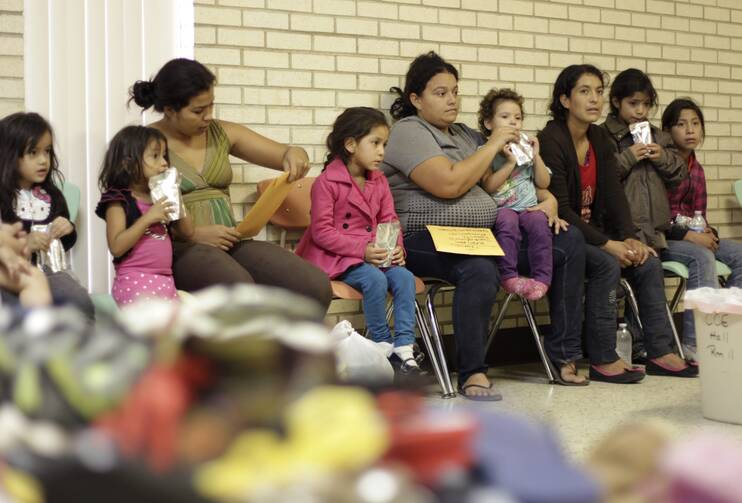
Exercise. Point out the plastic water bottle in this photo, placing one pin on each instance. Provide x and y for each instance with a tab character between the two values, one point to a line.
623	343
697	223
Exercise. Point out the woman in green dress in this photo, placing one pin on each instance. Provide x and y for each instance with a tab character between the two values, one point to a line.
199	146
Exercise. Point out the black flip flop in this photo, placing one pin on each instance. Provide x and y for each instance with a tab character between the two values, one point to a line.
493	397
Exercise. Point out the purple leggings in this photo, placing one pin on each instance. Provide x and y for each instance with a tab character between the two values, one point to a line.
510	227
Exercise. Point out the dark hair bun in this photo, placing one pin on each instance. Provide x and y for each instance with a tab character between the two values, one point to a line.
143	93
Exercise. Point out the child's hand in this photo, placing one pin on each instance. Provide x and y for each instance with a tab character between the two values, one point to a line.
508	153
535	145
60	227
705	239
654	151
640	151
159	212
375	256
38	241
398	256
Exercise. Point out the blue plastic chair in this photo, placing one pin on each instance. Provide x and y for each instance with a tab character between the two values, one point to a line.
71	193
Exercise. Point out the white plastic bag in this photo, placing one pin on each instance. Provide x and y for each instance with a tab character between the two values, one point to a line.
361	360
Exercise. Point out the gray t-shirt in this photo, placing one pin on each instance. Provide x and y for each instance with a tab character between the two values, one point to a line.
413	141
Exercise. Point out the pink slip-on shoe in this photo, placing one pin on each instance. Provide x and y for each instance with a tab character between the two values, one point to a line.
535	289
517	285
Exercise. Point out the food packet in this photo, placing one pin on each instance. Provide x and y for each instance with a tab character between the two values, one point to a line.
641	133
167	185
523	151
386	237
53	259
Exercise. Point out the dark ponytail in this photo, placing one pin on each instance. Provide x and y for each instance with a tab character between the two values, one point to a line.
422	69
175	84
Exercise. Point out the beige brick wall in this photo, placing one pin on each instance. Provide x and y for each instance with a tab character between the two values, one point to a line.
288	67
11	56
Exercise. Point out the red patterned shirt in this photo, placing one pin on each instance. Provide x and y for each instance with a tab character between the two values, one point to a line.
589	181
690	195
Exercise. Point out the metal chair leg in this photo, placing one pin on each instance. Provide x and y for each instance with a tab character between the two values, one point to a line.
633	304
635	307
678	294
389	311
537	337
498	322
675	333
439	364
435	339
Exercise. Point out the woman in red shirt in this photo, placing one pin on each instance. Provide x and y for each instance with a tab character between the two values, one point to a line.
585	182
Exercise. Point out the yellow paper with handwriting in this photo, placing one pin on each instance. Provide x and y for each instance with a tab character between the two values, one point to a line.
465	240
264	208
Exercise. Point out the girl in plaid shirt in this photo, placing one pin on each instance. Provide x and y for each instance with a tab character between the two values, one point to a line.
683	119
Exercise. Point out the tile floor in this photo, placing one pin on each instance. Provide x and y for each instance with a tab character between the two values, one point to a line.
583	415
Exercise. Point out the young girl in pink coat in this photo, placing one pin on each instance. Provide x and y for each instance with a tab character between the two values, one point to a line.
349	199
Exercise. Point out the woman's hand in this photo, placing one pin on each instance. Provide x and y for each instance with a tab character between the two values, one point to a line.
61	227
38	241
219	236
640	251
296	163
550	207
707	239
375	256
12	264
501	136
13	236
398	256
621	251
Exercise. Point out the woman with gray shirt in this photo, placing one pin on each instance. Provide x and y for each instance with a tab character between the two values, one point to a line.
433	165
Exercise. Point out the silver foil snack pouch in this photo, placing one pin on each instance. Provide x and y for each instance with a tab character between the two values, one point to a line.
167	185
55	258
523	151
641	133
386	237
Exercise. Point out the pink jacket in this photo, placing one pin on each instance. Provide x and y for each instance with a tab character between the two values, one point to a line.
344	218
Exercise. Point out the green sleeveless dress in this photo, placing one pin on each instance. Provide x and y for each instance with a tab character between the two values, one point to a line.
206	194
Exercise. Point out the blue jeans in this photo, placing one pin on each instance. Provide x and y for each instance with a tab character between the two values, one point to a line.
564	343
476	280
374	283
603	273
701	264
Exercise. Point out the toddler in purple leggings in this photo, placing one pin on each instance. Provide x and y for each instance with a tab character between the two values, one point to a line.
513	186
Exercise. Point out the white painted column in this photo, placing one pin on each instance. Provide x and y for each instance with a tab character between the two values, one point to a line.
81	57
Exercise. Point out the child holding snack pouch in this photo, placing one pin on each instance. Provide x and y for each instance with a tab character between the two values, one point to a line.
648	162
517	171
30	179
139	213
351	205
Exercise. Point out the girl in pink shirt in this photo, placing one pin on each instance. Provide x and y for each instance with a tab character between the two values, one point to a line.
136	226
349	199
